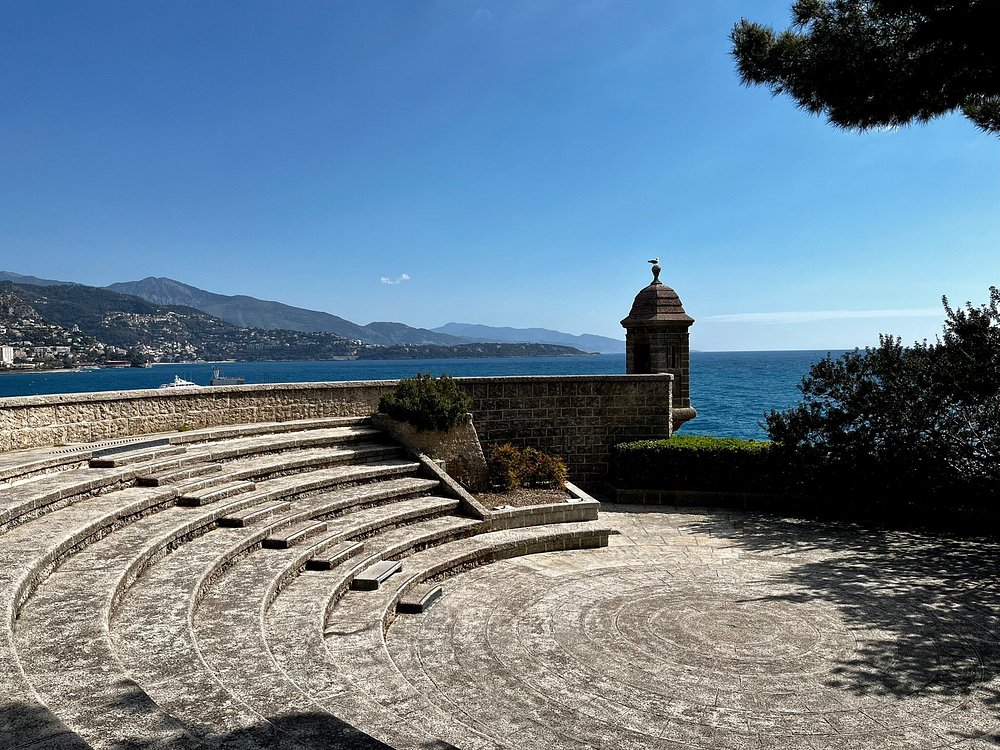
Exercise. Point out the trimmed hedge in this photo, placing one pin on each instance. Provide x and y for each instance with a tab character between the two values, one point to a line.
694	462
427	403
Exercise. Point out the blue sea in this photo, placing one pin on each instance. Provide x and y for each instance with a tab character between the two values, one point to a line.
731	390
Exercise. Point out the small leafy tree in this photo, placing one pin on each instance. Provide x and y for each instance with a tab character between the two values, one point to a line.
918	422
426	402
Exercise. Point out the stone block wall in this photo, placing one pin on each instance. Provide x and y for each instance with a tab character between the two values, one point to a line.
43	421
577	417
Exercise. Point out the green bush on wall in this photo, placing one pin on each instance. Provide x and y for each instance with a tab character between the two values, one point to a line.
427	403
694	462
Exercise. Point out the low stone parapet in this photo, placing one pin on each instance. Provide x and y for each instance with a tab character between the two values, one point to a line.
578	417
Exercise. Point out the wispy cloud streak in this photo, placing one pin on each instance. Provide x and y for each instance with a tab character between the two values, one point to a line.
398	280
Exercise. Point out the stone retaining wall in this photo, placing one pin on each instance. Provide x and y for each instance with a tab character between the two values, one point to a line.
578	417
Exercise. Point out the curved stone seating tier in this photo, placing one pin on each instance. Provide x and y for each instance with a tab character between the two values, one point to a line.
357	682
21	464
37	494
156	594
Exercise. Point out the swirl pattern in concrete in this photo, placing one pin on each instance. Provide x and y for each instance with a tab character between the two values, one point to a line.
721	630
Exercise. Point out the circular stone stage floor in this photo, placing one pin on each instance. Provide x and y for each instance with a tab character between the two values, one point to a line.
721	630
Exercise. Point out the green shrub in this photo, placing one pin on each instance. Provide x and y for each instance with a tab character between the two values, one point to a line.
894	426
692	462
512	468
427	403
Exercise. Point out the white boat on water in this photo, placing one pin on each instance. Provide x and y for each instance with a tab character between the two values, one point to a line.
179	382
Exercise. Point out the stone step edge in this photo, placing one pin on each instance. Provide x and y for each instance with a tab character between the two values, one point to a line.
207	519
574	511
192	461
335	555
172	476
294	534
340	585
90	531
347	473
215	493
507	544
40	461
49	500
225	432
375	575
45	465
289	443
255	513
419	599
296	565
124	457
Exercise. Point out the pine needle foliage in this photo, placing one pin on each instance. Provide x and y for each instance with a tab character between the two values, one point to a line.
880	63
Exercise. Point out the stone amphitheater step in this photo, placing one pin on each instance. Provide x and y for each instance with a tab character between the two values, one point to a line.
30	498
263	463
376	574
165	660
356	627
172	476
255	513
294	630
336	460
30	462
142	455
71	608
192	455
229	432
23	500
327	482
333	556
265	443
294	534
419	599
227	623
28	552
24	464
214	493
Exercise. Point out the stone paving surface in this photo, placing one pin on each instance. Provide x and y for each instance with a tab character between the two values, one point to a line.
721	630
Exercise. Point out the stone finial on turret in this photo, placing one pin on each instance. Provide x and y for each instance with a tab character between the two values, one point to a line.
656	270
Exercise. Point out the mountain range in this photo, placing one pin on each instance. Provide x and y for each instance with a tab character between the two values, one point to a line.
250	312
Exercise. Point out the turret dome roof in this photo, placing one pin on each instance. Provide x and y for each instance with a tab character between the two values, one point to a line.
656	303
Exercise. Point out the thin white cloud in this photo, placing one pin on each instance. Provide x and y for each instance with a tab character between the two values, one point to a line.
808	316
398	280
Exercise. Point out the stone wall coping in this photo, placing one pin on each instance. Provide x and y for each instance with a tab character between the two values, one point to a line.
568	378
58	399
53	399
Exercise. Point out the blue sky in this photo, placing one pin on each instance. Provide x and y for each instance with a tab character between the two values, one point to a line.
509	163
